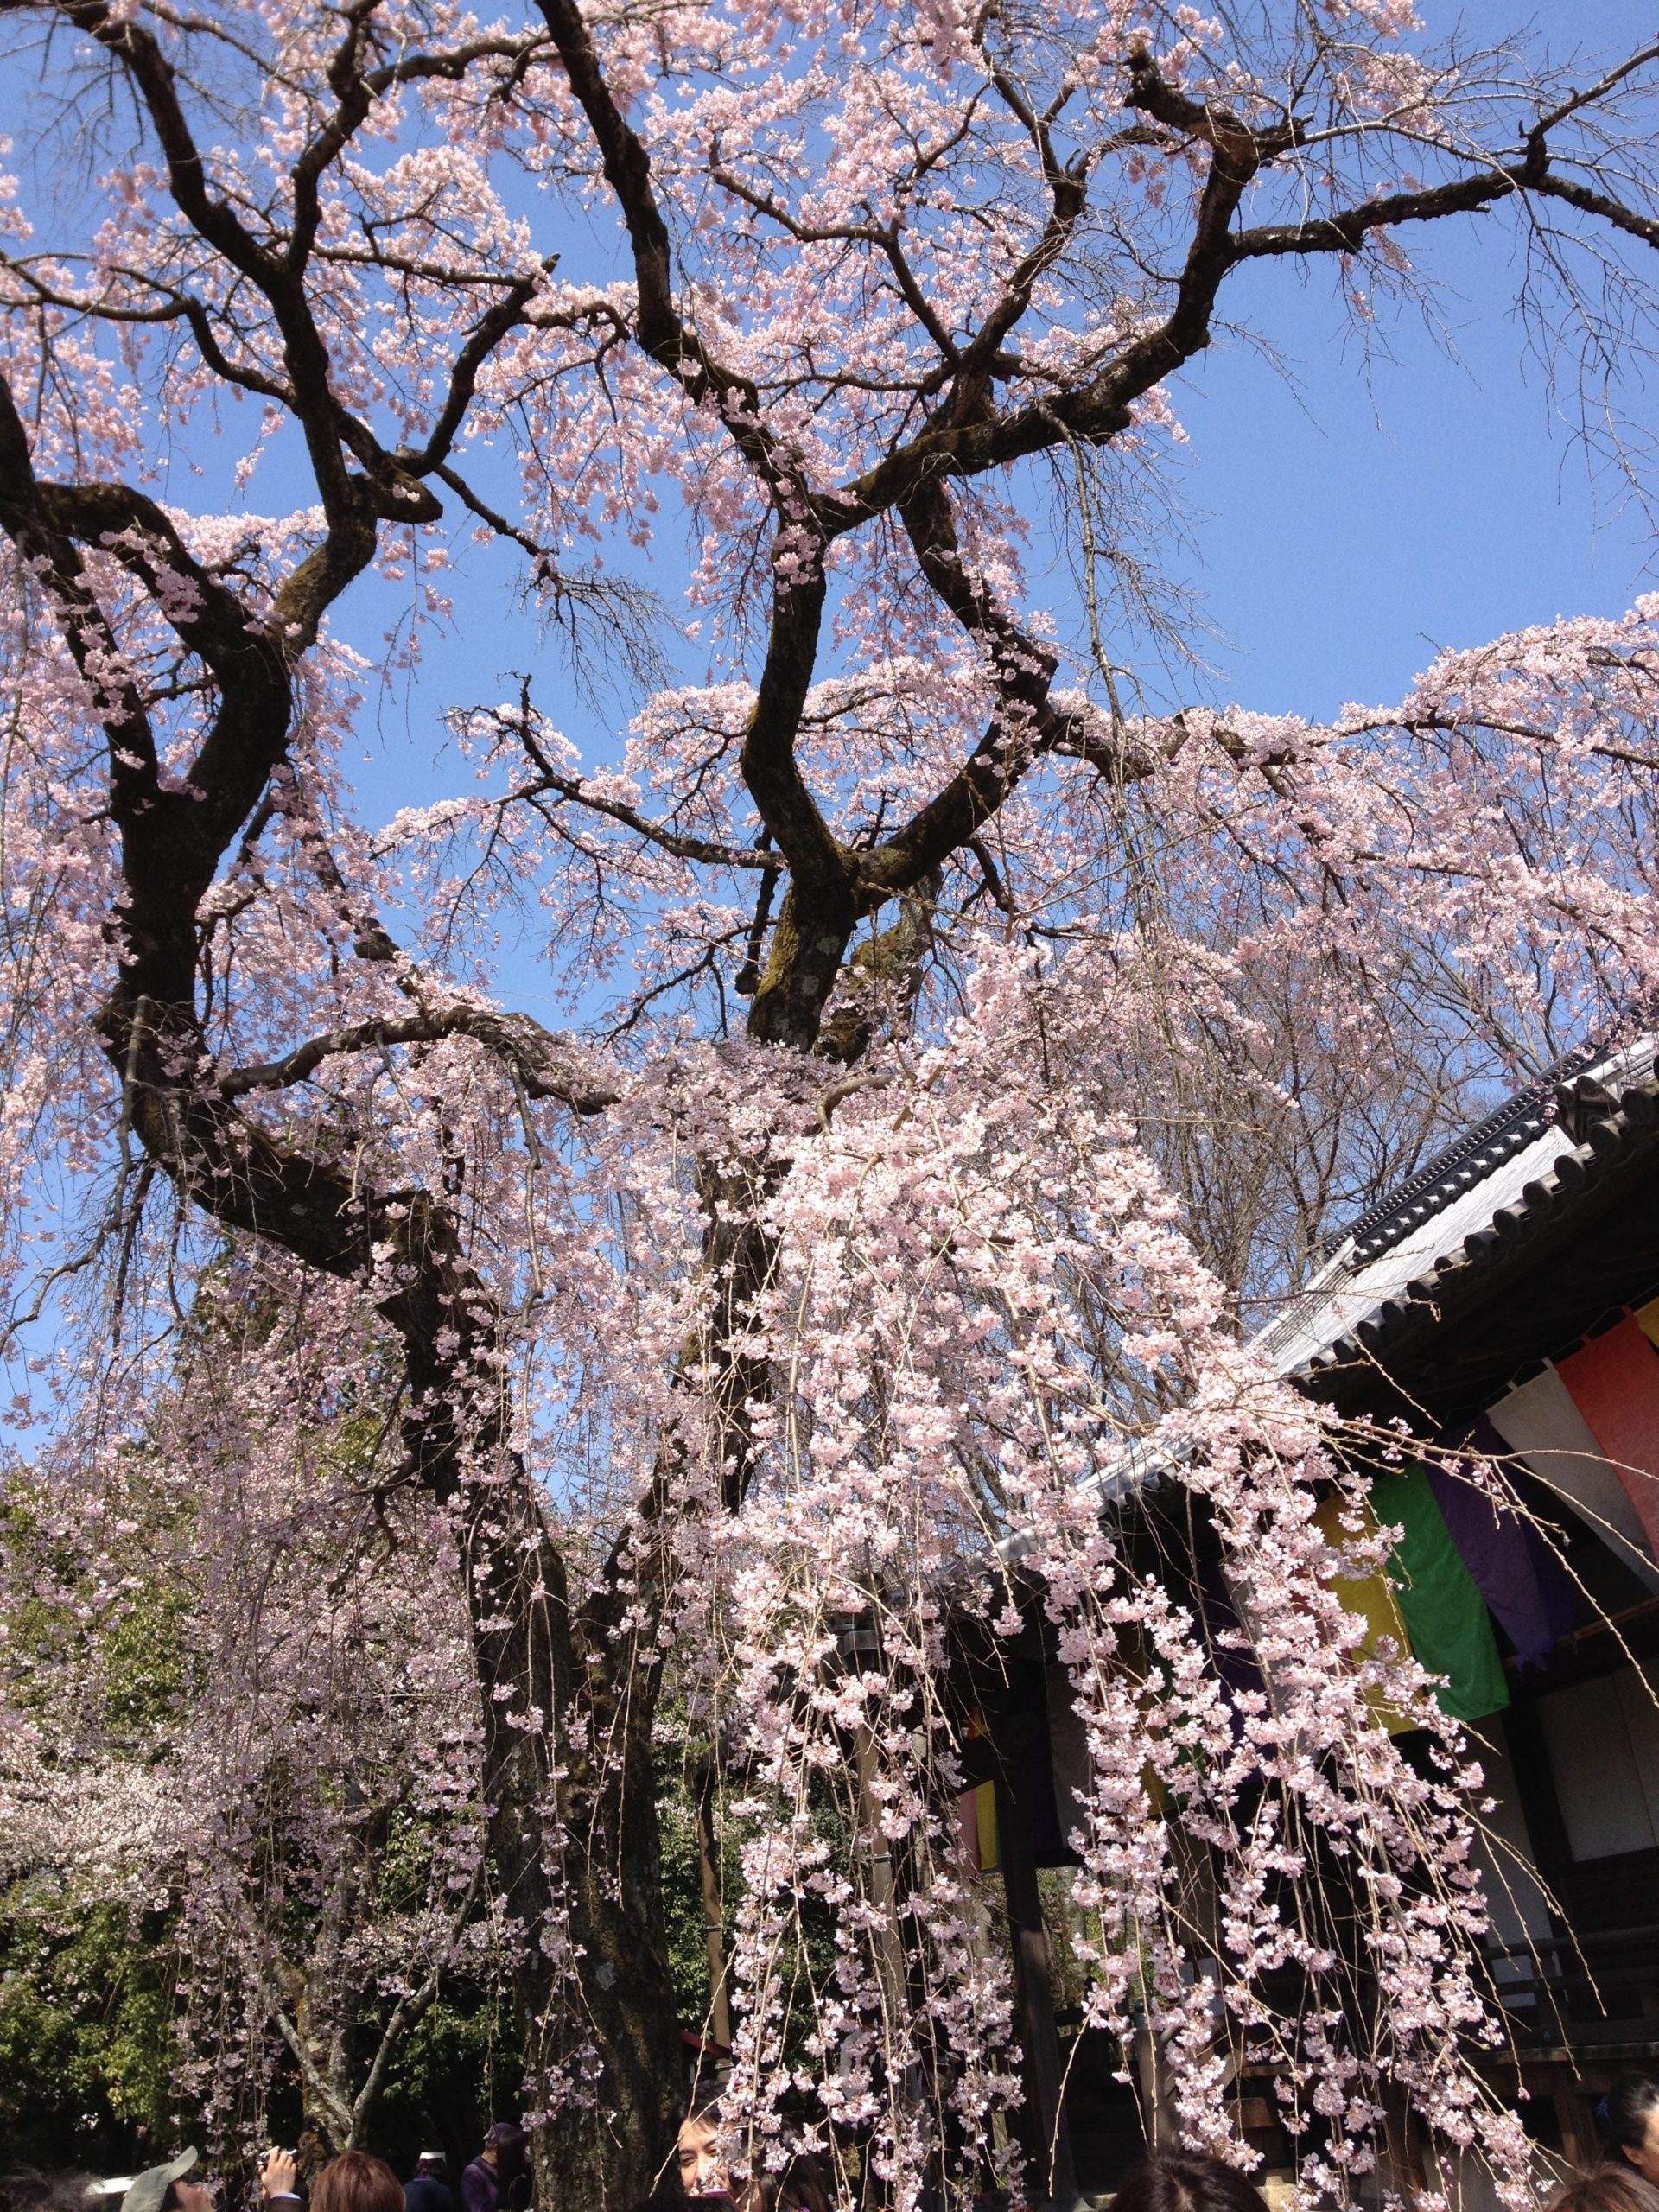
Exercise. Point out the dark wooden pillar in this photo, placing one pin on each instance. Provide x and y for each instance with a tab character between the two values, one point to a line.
1540	1811
714	1910
1055	2176
1534	1786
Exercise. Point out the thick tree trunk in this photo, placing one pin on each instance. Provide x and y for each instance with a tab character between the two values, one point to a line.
574	1833
713	1909
611	2142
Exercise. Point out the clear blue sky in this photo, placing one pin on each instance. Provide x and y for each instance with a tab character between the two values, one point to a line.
1345	517
1352	520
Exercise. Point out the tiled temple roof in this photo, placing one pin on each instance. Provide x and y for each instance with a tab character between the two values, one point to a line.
1532	1180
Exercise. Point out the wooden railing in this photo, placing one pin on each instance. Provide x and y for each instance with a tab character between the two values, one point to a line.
1580	1992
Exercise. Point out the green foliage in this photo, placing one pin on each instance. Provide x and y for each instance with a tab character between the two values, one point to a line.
124	1645
462	2067
86	2031
682	1906
86	1986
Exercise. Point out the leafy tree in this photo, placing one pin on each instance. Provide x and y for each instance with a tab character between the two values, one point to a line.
86	2045
238	1883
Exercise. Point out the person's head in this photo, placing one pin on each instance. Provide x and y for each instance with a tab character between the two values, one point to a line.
29	2191
1608	2189
503	2147
1630	2124
703	2170
356	2183
166	2189
433	2164
1187	2181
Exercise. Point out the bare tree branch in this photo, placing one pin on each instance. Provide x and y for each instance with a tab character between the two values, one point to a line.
547	1066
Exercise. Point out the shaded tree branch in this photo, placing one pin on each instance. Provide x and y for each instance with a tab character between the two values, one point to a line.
547	1066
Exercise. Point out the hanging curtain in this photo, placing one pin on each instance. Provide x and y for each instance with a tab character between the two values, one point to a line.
1614	1382
977	1816
1445	1617
1523	1584
1541	1423
1371	1597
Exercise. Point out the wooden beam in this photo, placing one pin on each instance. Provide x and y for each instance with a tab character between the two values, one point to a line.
1055	2176
714	1910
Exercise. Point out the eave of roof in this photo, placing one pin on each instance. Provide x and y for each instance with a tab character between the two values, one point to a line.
1468	1159
1604	1187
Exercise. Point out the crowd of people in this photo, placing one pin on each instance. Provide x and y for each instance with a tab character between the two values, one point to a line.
1626	2179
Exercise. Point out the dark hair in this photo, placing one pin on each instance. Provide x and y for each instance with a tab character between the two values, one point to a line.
356	2183
28	2192
1608	2189
1187	2181
1623	2112
800	2186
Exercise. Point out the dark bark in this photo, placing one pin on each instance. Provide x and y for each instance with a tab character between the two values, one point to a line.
603	2024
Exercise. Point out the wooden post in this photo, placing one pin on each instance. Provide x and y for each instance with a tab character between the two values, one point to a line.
1552	1854
1534	1786
1033	1978
1576	2118
713	1915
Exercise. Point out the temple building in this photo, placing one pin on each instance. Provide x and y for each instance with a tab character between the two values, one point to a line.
1507	1295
